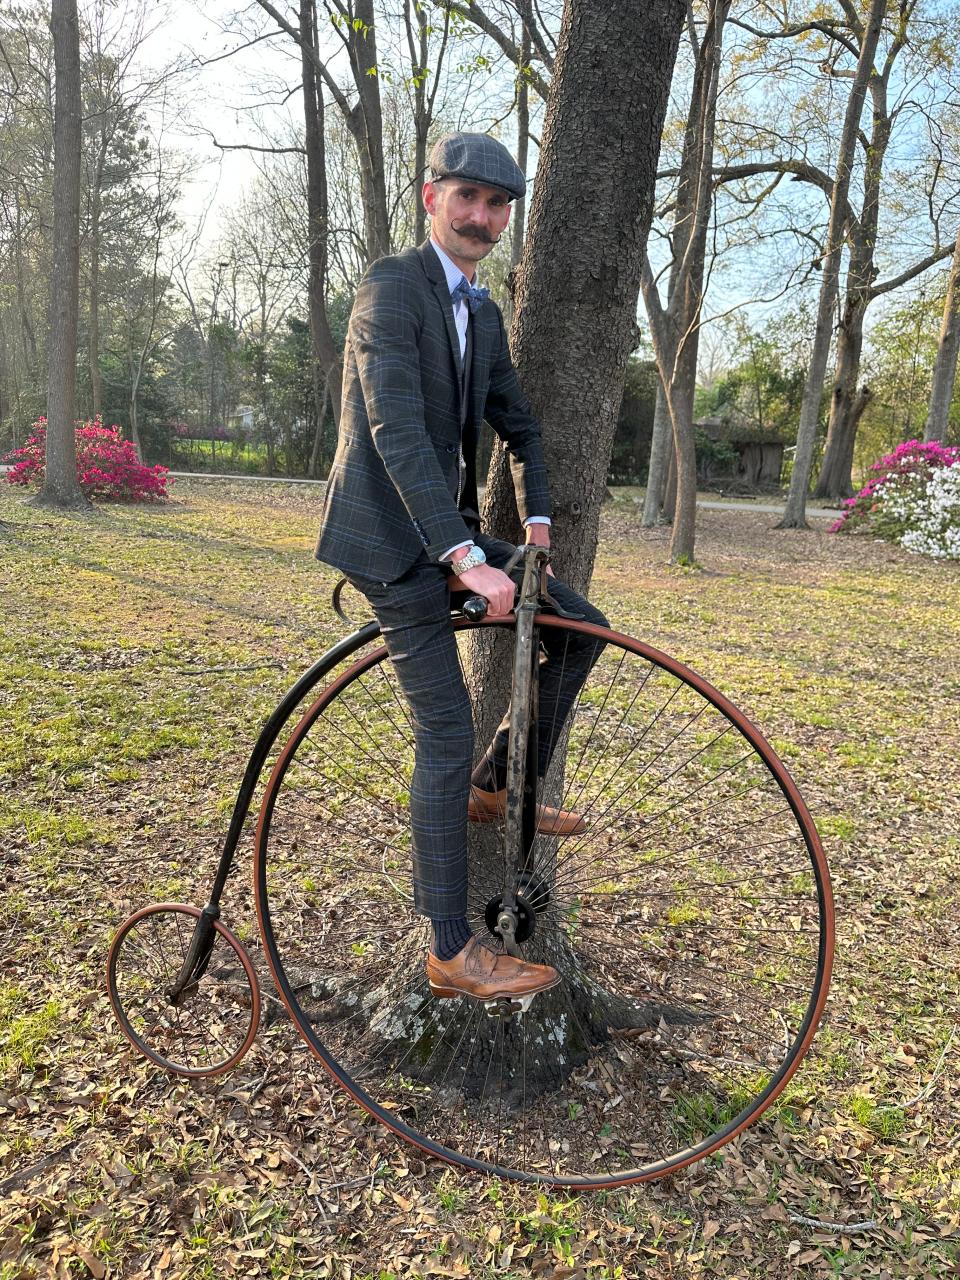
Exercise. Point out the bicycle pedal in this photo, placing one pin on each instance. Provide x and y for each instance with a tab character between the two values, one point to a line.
508	1007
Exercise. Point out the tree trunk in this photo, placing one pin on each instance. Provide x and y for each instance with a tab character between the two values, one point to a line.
135	423
670	493
604	119
795	514
675	329
834	481
135	365
660	445
680	404
572	1021
326	370
93	322
945	365
367	128
418	43
316	453
61	487
365	118
523	148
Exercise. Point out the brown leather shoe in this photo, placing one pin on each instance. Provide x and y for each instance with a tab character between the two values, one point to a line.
483	974
491	806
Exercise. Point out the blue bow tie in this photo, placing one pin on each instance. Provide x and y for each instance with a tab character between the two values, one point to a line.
466	292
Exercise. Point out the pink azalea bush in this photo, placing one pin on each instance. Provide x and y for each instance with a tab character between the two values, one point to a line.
107	465
910	465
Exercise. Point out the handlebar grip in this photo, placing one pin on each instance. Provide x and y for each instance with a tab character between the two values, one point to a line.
474	608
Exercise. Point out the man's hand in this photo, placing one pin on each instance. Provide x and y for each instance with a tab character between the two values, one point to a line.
494	585
538	535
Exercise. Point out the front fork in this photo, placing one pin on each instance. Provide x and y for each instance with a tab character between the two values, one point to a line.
197	958
520	821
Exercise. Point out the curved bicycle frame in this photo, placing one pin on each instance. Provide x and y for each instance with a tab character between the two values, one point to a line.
201	944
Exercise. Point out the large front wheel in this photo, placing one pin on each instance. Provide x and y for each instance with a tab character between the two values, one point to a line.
691	922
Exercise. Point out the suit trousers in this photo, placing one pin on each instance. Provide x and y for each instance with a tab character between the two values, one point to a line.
414	616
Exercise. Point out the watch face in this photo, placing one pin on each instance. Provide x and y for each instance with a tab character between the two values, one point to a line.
474	557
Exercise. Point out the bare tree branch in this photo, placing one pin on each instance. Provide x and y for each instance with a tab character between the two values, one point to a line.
786	33
918	268
249	146
208	62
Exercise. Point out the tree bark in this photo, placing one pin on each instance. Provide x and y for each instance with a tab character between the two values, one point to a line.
604	119
945	365
835	479
795	514
660	444
93	318
423	78
61	487
316	453
675	329
518	226
326	366
366	125
680	403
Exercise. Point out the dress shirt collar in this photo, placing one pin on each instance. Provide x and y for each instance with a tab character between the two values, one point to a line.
450	269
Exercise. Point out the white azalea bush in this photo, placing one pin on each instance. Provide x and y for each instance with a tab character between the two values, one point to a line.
914	500
929	510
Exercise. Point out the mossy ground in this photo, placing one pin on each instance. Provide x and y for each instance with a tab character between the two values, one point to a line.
140	651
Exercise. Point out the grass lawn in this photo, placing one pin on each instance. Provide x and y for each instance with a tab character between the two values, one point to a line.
142	648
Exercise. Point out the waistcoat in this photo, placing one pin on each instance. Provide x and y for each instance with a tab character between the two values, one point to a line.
469	503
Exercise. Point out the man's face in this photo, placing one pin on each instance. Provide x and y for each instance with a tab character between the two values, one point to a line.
467	217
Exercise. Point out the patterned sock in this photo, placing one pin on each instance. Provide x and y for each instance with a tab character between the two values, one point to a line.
450	937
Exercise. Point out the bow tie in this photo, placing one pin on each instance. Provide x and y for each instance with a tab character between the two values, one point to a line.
465	292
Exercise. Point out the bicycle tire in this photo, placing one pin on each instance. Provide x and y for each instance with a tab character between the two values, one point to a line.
718	1103
208	1030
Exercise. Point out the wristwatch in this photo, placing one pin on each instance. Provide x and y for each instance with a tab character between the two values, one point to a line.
471	560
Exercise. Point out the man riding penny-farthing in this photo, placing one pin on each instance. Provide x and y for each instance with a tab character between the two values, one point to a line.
621	871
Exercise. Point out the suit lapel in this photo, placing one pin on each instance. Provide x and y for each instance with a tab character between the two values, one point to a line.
438	280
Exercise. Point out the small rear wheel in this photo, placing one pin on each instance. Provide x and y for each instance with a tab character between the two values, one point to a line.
203	1030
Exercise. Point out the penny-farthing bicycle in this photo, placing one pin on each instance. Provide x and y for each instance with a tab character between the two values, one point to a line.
691	920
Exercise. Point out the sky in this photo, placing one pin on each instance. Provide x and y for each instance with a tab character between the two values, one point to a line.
218	100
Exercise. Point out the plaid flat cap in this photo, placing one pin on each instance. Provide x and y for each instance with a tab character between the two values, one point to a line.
479	158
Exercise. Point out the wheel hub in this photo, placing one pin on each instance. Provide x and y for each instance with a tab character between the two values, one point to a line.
532	897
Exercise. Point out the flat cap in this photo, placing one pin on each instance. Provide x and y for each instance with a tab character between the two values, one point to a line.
478	158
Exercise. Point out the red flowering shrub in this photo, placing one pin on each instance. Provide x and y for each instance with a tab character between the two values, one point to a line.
107	465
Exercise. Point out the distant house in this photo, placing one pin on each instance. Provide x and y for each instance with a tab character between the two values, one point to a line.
743	456
240	422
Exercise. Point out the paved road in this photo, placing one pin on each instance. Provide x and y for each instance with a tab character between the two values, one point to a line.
768	508
765	508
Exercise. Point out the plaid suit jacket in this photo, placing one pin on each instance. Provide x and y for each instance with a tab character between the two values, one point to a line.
391	493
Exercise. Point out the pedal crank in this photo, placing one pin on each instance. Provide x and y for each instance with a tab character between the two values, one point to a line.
507	929
514	1006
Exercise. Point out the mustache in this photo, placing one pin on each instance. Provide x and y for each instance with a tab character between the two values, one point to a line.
475	233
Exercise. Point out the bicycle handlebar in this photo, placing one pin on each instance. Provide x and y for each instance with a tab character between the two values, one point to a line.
474	608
